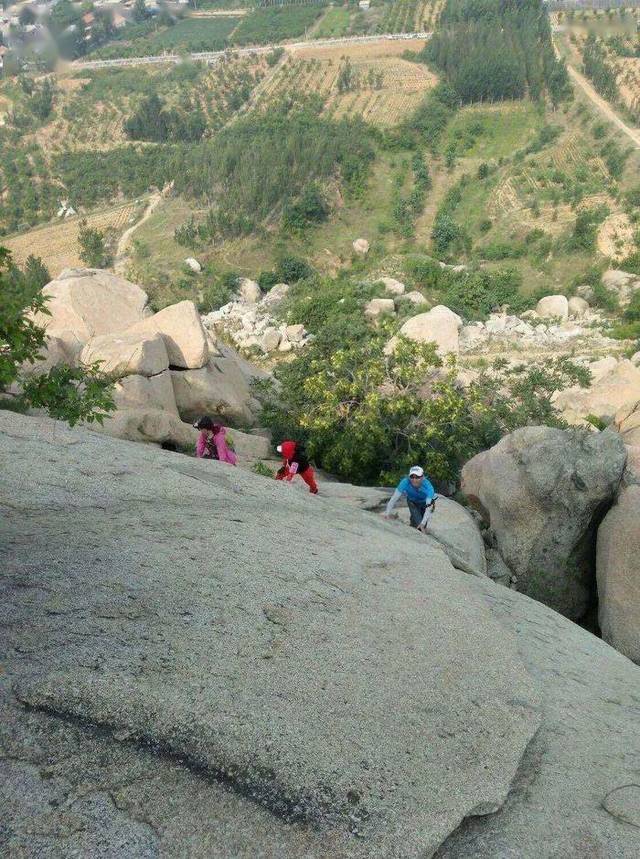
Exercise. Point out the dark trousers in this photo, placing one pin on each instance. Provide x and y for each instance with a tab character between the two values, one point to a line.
416	510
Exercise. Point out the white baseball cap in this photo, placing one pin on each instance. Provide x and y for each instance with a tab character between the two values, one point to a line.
279	448
416	470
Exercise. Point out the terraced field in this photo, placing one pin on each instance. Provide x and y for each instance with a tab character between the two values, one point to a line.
57	244
383	87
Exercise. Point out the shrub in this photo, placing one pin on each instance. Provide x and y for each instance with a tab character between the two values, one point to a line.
485	225
631	263
483	170
475	295
93	250
290	269
219	292
310	208
503	250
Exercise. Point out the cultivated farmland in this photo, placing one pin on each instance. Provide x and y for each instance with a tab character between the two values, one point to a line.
57	244
382	87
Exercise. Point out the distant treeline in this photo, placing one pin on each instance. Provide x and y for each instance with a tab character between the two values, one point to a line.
497	49
251	172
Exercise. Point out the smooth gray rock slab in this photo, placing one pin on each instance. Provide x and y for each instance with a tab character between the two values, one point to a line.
287	646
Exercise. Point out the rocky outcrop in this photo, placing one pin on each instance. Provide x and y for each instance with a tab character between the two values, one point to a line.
393	286
127	353
248	291
361	247
183	334
168	681
219	388
379	307
254	326
627	422
618	570
542	491
610	392
621	283
86	303
169	368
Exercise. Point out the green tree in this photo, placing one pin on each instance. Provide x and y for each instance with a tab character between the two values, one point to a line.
71	394
364	416
140	12
27	16
93	251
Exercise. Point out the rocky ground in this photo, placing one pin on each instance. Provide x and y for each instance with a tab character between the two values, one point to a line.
206	662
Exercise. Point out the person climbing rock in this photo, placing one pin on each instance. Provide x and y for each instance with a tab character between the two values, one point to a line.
420	495
212	442
295	461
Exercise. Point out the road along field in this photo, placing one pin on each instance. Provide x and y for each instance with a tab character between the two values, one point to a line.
370	80
57	244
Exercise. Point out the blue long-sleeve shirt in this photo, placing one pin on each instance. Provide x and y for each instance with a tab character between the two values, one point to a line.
421	494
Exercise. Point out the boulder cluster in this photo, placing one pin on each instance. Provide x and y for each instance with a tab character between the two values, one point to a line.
168	368
543	494
249	322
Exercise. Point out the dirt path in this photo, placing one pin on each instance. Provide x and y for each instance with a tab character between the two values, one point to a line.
121	255
604	107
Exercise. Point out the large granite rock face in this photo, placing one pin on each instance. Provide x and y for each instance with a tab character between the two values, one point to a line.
608	393
618	568
627	422
183	333
87	302
170	681
127	353
220	388
378	708
542	491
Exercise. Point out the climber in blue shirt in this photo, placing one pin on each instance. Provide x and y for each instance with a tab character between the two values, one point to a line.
420	496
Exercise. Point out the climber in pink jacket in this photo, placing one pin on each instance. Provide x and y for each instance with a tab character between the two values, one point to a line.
212	443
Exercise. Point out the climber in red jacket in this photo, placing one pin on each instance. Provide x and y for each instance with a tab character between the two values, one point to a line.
295	461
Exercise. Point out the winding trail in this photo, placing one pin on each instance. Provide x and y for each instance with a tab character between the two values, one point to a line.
121	255
603	106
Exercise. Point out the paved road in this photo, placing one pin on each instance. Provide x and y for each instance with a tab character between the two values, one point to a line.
214	56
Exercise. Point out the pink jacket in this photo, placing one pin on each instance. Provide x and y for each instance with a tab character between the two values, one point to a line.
225	454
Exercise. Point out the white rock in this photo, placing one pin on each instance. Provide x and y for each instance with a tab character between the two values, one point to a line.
578	307
270	339
275	295
602	367
285	346
495	324
635	359
471	336
414	297
183	334
440	325
361	246
219	389
392	286
86	303
248	291
295	333
137	353
193	264
553	306
378	307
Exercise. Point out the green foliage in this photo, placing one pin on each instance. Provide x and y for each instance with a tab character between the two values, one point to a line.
290	269
632	311
474	295
310	208
631	263
262	469
363	417
275	24
274	56
70	394
428	122
259	163
93	251
218	292
492	50
583	237
603	75
154	122
498	250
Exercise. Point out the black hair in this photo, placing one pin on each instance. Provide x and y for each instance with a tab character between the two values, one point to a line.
204	423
